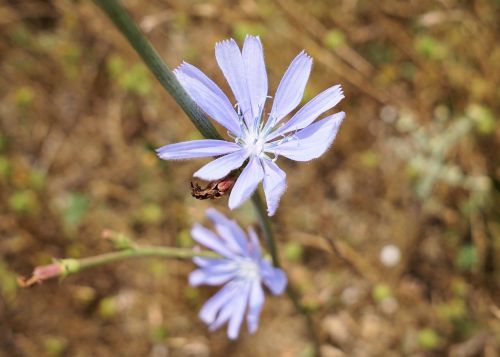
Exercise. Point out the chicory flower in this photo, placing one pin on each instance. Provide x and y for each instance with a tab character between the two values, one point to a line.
241	269
256	139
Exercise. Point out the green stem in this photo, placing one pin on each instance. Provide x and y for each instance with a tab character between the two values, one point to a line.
290	289
64	267
265	224
162	72
73	266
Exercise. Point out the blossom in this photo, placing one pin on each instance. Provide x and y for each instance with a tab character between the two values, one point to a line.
256	139
241	269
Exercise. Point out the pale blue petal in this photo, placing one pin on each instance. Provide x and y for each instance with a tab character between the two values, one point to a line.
196	148
230	231
225	313
255	305
205	262
208	96
230	61
247	183
210	240
255	68
274	185
255	252
311	110
239	306
291	88
242	295
222	166
312	141
274	278
212	306
214	275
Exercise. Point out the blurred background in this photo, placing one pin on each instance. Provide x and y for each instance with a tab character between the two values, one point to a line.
409	192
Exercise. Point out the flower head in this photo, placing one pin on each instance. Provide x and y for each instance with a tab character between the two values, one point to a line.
242	269
258	139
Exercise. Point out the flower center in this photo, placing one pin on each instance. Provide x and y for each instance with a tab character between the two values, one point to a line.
248	270
253	143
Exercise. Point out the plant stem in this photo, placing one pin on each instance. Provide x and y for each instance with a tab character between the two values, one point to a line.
140	252
266	227
124	22
290	289
64	267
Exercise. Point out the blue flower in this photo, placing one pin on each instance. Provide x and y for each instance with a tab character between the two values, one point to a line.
242	269
257	140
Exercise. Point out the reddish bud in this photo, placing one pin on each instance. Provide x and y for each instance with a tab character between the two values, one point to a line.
42	273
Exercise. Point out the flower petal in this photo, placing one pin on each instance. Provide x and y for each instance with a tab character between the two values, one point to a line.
324	101
205	262
233	310
212	306
291	88
210	240
229	231
255	304
255	69
274	278
230	61
214	275
274	185
196	148
239	306
312	141
222	166
247	183
208	96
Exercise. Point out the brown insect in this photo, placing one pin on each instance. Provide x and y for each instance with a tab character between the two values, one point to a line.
214	189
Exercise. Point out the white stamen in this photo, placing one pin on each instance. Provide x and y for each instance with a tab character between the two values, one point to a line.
248	269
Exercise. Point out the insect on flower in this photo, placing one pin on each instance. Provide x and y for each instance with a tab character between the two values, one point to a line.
214	189
241	269
256	140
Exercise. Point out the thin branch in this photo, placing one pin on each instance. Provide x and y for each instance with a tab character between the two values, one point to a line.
341	256
64	267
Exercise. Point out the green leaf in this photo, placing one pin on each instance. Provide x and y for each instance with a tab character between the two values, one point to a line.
55	346
293	251
428	338
467	258
74	209
381	292
150	213
430	48
482	118
24	202
334	39
5	168
24	97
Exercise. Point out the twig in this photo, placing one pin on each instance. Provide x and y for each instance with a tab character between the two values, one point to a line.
331	242
65	267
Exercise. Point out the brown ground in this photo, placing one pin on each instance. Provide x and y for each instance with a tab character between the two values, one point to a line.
416	164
